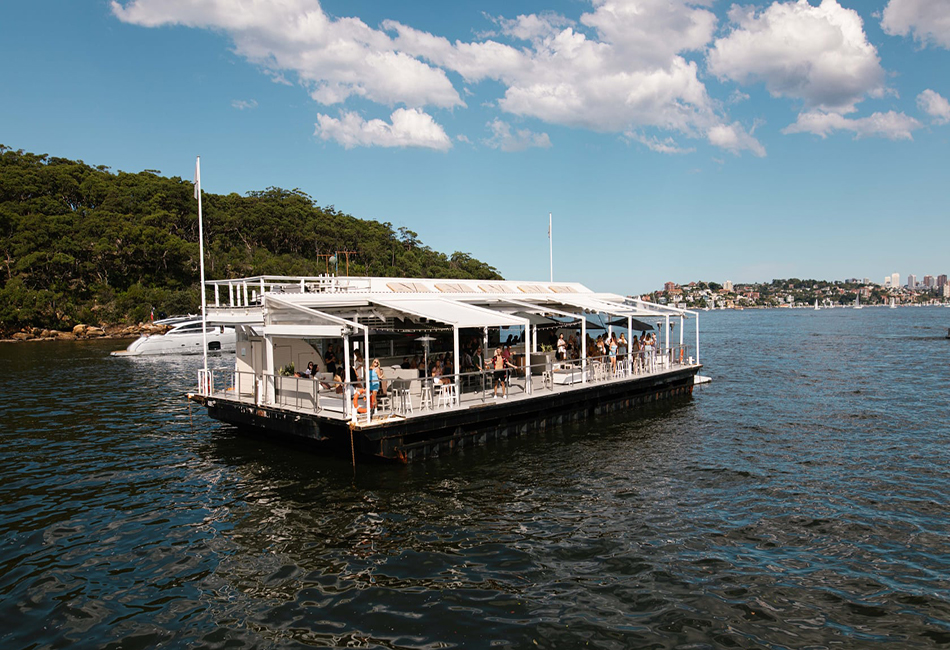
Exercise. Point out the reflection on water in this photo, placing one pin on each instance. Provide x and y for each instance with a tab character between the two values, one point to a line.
797	501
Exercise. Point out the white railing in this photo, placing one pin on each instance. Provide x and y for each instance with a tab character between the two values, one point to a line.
409	397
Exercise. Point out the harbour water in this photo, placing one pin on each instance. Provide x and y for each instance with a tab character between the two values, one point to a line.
798	501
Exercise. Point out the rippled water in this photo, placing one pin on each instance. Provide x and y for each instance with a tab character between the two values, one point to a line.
799	501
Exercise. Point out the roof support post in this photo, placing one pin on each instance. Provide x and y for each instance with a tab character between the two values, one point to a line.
666	334
697	337
455	362
528	340
583	348
348	392
268	377
366	394
484	359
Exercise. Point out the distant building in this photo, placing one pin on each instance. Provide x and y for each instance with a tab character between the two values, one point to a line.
911	281
728	285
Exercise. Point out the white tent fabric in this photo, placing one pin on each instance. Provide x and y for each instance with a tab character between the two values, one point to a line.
451	312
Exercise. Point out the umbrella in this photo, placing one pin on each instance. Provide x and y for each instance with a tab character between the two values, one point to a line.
638	325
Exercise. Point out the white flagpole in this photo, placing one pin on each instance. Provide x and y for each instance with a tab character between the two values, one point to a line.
551	244
201	252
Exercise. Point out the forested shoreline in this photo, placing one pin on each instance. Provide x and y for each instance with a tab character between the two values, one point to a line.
82	244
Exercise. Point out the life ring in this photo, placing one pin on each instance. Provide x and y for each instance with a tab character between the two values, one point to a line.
356	398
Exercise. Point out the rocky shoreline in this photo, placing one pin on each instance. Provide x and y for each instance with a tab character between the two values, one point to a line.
84	332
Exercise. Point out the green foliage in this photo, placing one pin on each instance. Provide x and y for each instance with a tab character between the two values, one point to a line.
82	244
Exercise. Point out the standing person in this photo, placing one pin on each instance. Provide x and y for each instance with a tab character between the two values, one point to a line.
375	382
499	366
329	358
612	347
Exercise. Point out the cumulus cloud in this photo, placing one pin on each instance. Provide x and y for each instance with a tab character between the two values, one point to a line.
890	125
507	140
735	139
934	105
819	55
244	104
927	20
334	58
621	67
653	143
408	127
629	76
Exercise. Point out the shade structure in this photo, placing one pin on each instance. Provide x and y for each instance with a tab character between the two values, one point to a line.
636	324
539	321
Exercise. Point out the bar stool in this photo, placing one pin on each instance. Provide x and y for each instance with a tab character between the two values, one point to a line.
405	401
425	401
447	395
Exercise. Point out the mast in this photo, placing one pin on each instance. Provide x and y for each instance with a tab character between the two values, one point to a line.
201	253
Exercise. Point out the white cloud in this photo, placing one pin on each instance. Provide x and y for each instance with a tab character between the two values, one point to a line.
244	104
934	105
819	55
734	138
890	125
653	143
928	20
503	138
625	70
629	77
407	128
334	58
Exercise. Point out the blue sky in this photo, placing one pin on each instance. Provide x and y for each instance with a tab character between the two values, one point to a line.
672	140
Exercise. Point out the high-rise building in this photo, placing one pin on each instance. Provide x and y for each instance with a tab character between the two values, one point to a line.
929	281
895	280
911	281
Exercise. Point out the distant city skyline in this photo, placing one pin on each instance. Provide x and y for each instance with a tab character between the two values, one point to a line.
671	139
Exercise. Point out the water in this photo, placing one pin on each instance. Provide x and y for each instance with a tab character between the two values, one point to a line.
798	501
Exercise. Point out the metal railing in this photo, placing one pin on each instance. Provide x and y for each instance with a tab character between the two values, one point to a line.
410	397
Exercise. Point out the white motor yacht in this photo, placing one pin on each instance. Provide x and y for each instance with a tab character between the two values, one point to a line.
184	338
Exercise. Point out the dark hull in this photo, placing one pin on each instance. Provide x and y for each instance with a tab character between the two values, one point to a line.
444	431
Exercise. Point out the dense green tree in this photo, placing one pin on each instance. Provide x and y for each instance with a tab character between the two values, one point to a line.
83	244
